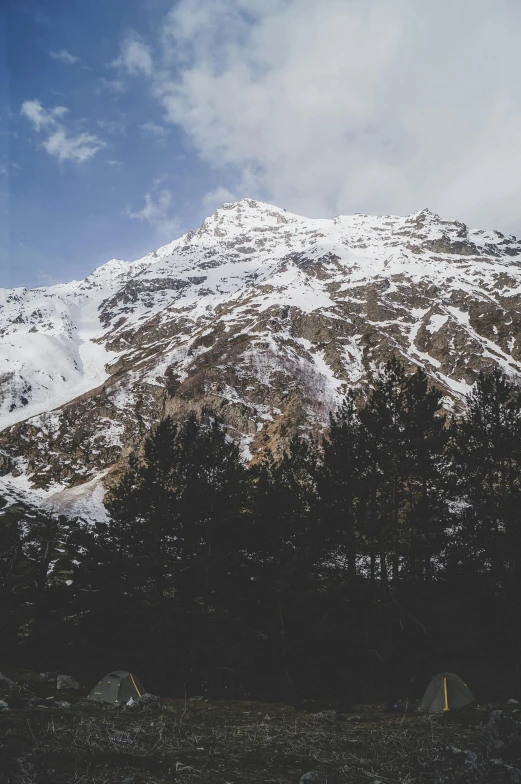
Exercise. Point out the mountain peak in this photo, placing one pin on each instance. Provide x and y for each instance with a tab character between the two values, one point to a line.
425	215
244	215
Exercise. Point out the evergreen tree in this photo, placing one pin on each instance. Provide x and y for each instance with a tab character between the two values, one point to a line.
286	540
384	464
487	459
35	561
426	437
286	550
177	514
402	442
339	485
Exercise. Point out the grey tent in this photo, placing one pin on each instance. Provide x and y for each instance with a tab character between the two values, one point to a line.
447	692
116	687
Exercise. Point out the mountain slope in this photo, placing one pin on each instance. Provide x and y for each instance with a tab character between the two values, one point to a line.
264	316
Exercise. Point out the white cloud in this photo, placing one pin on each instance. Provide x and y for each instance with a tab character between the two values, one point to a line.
72	148
40	117
157	212
353	106
64	56
134	56
60	143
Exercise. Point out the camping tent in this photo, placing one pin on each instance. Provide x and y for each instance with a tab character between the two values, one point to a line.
446	692
118	686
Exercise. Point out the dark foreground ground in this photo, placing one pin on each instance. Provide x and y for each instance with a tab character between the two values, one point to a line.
231	742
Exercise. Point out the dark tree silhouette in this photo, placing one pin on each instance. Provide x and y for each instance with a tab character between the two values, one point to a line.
347	568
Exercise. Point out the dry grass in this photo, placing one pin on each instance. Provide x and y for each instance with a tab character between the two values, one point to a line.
233	742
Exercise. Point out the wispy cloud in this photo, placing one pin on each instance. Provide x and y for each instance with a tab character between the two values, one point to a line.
114	127
134	57
64	56
114	86
212	200
9	168
155	130
158	212
60	143
40	117
78	149
158	133
34	11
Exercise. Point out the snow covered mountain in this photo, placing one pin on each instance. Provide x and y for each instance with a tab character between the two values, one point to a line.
264	316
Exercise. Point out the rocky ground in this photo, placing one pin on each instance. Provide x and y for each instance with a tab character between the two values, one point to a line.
61	738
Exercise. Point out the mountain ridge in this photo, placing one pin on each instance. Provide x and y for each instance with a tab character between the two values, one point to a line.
261	314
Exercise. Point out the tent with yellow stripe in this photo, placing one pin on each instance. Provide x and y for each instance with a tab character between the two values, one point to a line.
117	687
447	692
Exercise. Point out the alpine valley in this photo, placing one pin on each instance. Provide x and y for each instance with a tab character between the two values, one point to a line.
262	316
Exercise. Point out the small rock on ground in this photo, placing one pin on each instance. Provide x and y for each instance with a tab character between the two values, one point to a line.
329	715
6	683
144	702
66	683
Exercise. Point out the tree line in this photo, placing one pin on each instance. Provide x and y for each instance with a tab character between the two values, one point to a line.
360	565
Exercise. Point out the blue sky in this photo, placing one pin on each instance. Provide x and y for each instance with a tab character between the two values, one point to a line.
124	122
66	216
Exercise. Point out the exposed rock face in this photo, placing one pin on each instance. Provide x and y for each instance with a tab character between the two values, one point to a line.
264	316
